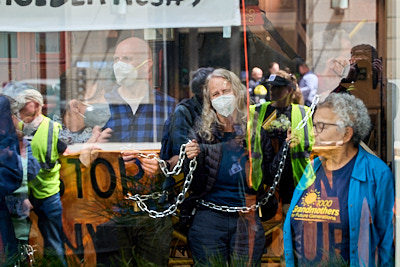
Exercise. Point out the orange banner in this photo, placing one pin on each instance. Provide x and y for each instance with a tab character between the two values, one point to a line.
89	196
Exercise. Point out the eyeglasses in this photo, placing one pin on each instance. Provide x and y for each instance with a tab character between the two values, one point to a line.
320	126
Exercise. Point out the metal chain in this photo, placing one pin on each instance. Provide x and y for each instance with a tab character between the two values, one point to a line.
192	166
140	199
309	113
178	167
263	201
278	174
163	165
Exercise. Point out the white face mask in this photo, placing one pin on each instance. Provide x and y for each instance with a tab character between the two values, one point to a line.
126	74
31	127
224	104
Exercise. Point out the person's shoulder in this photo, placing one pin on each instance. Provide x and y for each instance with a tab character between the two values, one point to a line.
375	160
161	96
181	109
372	162
312	75
258	106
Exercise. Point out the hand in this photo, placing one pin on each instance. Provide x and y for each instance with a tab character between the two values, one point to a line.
88	154
99	136
192	149
150	166
26	207
128	155
105	135
292	137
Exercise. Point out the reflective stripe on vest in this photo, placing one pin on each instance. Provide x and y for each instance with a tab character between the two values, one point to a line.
256	150
48	164
300	154
47	182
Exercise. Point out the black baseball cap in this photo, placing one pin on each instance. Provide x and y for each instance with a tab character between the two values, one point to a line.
277	80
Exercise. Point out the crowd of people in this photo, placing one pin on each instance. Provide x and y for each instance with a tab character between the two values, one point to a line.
337	207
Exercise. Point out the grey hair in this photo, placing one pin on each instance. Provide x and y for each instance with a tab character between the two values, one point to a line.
209	115
352	112
12	89
29	95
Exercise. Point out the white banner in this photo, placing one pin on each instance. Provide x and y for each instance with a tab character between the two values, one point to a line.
79	15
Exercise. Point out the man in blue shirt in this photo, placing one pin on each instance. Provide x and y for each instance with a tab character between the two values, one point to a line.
137	110
138	113
308	83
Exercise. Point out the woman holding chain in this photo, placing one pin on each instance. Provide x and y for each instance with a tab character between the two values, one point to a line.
221	235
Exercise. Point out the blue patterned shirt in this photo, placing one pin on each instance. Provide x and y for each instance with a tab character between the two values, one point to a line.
146	125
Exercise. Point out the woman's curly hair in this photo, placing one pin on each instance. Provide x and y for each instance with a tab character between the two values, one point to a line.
352	112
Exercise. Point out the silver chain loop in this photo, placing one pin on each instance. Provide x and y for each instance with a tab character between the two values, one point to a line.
192	166
278	174
140	199
309	113
178	167
263	201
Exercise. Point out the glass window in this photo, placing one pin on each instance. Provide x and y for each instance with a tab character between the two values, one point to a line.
137	92
8	45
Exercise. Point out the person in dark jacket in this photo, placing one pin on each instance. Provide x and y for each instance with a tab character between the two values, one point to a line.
184	117
11	173
220	233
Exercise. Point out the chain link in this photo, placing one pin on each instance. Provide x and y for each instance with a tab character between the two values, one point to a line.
309	113
178	167
192	166
140	199
278	174
263	201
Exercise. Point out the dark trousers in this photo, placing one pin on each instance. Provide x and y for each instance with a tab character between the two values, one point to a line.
216	238
137	239
10	243
49	212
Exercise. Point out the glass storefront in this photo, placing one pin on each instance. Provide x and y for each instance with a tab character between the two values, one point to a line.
111	74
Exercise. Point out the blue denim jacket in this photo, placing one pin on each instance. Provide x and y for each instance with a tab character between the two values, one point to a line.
371	203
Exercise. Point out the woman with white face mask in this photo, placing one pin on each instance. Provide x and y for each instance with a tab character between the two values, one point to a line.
221	179
85	111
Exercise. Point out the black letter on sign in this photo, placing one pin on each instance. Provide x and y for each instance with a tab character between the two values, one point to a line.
39	2
57	3
141	3
103	2
177	2
116	2
78	175
79	250
157	4
124	178
62	188
78	3
195	2
23	2
113	182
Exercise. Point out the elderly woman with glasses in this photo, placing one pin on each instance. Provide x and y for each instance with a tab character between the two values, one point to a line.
342	209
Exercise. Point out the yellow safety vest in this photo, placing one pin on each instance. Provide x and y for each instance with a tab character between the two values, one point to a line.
300	154
44	149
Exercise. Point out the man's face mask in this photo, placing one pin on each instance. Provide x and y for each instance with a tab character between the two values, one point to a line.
30	127
224	104
126	74
96	114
